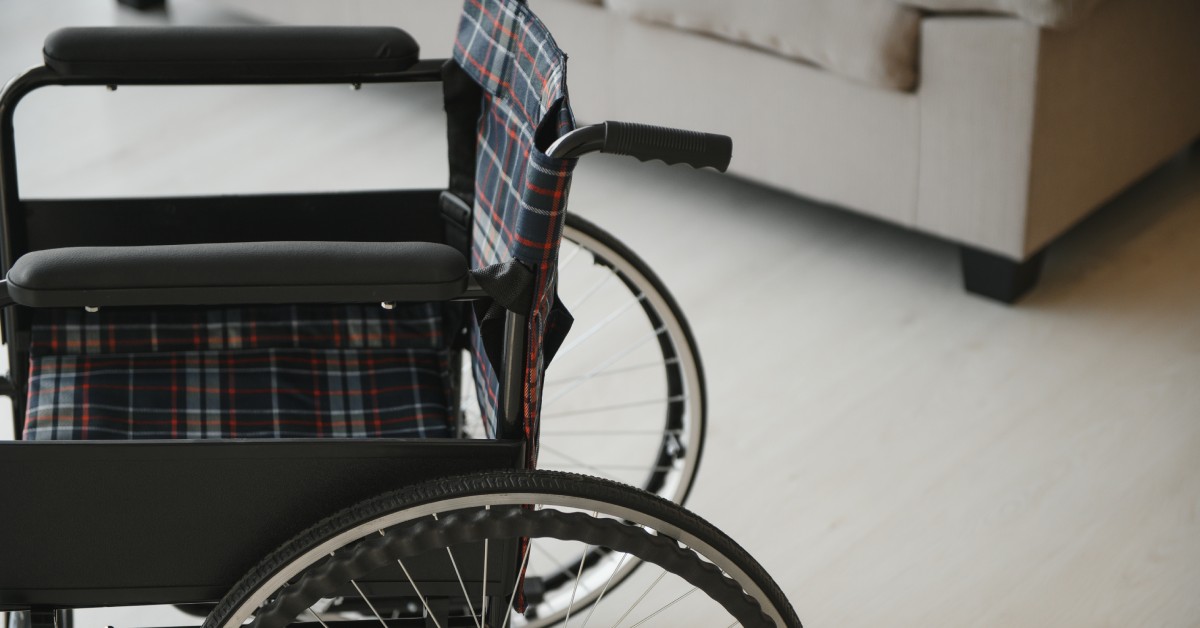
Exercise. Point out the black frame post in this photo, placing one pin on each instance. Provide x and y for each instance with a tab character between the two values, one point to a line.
511	419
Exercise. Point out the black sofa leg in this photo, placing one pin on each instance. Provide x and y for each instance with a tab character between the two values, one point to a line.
999	277
143	5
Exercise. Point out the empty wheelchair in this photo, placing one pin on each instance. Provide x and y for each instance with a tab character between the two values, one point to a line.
334	413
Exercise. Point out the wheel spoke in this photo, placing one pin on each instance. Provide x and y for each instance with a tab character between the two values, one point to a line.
617	406
604	590
575	589
559	381
578	304
605	322
675	432
668	605
317	617
576	461
563	263
483	596
639	600
369	604
607	363
458	574
418	592
513	598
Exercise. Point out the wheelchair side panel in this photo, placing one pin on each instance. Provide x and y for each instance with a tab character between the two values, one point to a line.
121	523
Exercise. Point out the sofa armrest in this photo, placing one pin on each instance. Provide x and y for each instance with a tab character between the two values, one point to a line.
238	273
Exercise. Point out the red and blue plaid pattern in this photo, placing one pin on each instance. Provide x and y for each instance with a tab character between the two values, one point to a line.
268	372
520	192
141	330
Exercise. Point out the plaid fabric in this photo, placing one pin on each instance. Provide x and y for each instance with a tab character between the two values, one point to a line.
282	372
264	393
520	193
139	330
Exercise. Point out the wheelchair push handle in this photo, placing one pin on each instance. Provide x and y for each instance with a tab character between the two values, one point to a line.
647	142
673	146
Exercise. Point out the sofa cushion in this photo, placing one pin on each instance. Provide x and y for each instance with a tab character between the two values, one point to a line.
1047	13
869	40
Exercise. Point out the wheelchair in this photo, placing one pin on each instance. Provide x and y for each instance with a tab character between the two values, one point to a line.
340	412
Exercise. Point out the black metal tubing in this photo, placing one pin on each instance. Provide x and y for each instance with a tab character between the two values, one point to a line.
424	71
646	142
511	420
13	242
579	142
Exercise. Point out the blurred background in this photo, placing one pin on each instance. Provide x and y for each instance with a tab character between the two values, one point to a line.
946	299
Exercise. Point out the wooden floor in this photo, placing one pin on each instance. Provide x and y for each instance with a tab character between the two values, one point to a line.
896	452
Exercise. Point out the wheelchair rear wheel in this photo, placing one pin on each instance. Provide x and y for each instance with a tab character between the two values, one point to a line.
699	575
624	398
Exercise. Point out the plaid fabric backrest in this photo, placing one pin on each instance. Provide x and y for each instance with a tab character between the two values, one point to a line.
520	192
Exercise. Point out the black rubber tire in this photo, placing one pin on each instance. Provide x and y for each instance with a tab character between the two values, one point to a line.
496	483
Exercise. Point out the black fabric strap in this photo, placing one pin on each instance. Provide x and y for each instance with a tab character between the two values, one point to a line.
463	99
456	219
558	324
510	286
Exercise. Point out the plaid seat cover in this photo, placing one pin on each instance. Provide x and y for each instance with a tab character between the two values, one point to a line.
268	372
520	192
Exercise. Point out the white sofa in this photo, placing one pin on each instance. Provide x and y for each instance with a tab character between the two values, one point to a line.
996	124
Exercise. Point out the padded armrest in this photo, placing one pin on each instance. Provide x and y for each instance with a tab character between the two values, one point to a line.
239	273
228	53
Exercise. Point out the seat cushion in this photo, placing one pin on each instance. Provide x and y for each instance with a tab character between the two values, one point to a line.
873	41
1047	13
271	372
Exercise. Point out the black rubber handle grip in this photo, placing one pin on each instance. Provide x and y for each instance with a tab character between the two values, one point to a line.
674	146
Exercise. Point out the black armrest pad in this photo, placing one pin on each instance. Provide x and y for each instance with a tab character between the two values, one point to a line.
238	273
229	53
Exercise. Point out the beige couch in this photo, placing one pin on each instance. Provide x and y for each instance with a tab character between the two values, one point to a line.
997	124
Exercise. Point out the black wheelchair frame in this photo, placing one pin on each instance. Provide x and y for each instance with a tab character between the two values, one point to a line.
160	480
111	523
